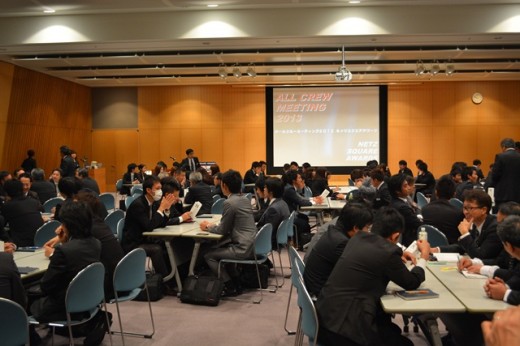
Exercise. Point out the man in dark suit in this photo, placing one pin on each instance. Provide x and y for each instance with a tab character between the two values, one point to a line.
25	179
22	214
383	197
478	231
68	165
87	182
277	210
199	191
403	168
440	213
348	306
251	175
506	173
175	214
190	163
399	190
469	182
144	215
326	252
10	283
238	230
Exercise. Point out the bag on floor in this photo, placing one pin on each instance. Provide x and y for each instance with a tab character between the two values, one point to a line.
249	278
155	288
201	290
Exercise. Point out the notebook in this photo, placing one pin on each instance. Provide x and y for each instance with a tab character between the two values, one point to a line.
469	275
423	293
195	209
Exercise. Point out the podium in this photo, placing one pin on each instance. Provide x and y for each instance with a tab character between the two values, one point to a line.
99	175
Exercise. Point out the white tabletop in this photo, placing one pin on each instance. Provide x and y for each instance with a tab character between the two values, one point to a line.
324	205
35	259
469	292
336	203
446	302
179	230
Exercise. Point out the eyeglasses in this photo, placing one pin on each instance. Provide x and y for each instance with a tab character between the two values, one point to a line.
466	208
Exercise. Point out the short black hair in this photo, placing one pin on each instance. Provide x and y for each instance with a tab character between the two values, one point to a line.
294	163
507	143
13	188
356	174
477	162
423	166
445	187
291	176
260	183
456	170
354	215
169	185
306	165
480	197
395	183
77	218
92	200
65	150
256	164
468	171
149	182
403	163
25	175
189	151
275	186
387	222
509	230
141	166
233	181
377	174
30	152
83	172
131	167
509	208
69	186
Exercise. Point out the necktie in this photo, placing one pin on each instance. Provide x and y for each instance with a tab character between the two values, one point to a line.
192	165
474	232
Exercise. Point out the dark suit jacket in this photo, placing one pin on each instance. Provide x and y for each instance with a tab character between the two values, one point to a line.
67	261
486	246
506	173
383	197
45	190
10	283
68	166
176	211
137	221
29	164
24	218
441	214
250	177
318	185
349	301
200	192
323	257
294	199
127	180
428	179
411	222
462	187
185	164
276	212
406	171
91	184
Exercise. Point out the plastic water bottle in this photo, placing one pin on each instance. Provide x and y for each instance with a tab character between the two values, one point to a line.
423	235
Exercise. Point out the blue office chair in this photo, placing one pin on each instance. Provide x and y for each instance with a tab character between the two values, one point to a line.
421	200
51	203
216	198
262	249
249	196
45	232
129	278
136	190
119	185
129	200
113	218
14	325
309	317
120	226
292	231
293	255
85	293
435	237
218	206
456	203
108	200
282	240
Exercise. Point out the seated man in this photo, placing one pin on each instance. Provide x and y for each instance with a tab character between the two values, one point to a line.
469	182
10	283
326	252
383	197
348	306
217	180
238	229
478	231
399	190
440	213
175	214
144	215
26	180
277	210
130	178
201	192
87	182
252	174
262	200
180	176
22	214
45	189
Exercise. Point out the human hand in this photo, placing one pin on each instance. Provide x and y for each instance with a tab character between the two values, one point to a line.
464	263
464	226
9	247
424	248
340	196
504	329
318	199
62	234
495	288
408	256
166	202
475	269
204	225
186	216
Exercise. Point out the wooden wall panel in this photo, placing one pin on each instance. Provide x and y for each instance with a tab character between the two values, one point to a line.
6	82
45	113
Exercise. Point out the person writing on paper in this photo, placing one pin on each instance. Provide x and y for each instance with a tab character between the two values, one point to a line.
348	306
238	229
478	231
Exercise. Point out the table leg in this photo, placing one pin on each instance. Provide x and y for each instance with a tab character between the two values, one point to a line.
194	256
173	264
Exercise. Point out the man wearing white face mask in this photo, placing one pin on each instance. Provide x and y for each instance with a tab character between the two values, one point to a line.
146	213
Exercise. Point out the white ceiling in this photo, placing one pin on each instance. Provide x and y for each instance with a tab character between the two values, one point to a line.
126	42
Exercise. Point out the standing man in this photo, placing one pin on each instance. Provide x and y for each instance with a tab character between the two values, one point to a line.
191	162
68	165
506	171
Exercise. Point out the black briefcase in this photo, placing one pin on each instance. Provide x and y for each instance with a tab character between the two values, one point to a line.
155	288
201	290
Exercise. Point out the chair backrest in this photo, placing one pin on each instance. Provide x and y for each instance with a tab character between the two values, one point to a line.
86	290
456	203
45	232
263	243
120	226
310	324
129	200
51	203
136	190
297	266
14	325
216	198
119	184
249	195
108	200
218	206
282	234
435	237
112	219
290	230
421	200
130	272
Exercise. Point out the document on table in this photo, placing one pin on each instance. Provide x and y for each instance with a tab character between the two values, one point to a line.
469	275
447	257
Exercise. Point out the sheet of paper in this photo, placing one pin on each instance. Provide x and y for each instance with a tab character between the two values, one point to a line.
447	257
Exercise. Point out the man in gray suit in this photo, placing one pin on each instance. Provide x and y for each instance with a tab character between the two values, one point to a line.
238	229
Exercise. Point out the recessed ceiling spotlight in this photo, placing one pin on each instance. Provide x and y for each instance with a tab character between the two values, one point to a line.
251	71
236	72
435	69
49	10
354	2
212	5
222	72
